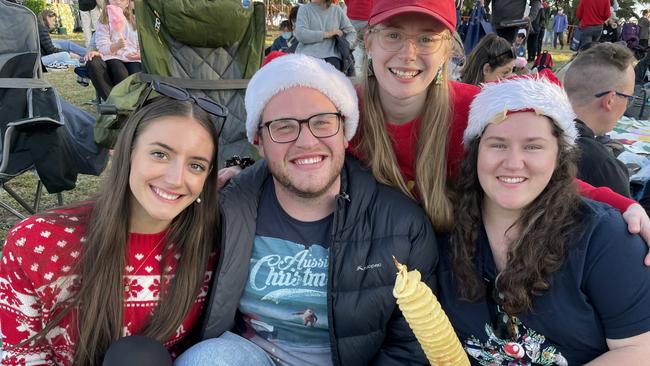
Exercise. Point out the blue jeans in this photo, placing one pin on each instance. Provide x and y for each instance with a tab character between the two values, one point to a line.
590	34
69	46
59	58
227	350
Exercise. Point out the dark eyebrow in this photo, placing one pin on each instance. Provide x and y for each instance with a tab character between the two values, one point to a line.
167	147
530	139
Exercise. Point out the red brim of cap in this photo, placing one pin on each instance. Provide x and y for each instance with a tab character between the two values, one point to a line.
381	17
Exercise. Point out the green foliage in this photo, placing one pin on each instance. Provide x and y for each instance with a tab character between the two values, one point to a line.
37	6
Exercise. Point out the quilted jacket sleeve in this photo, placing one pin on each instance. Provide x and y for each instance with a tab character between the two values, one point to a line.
400	345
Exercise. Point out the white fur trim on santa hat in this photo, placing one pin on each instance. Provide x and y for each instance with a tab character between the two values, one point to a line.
297	70
495	100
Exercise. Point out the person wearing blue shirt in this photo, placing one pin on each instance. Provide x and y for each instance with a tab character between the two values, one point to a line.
284	40
560	25
533	274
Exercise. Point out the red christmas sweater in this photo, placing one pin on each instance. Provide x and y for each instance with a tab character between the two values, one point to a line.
404	141
37	273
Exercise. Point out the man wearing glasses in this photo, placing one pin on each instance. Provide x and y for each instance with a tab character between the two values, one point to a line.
600	86
305	260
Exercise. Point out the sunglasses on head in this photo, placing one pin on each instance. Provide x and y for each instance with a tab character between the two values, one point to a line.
510	53
504	325
181	94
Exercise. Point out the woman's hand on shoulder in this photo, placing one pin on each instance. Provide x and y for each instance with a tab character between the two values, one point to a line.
638	222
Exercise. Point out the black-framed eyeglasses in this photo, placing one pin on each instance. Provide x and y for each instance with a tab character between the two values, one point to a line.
321	125
393	40
504	325
630	98
178	93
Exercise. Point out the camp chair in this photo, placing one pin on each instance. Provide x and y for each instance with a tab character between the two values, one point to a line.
30	110
209	48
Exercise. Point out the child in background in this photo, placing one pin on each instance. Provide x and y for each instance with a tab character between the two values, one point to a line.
282	42
117	25
520	43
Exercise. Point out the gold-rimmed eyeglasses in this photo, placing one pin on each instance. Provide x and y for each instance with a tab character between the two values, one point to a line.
393	40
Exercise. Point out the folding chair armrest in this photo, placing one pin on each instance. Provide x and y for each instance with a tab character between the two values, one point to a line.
23	83
35	121
19	124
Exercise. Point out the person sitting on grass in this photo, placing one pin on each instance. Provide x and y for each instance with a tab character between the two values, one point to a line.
60	53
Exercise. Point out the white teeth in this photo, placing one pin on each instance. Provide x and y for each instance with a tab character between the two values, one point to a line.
404	74
512	180
165	195
313	160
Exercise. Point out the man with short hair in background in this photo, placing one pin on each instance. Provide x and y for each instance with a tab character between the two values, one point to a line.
600	85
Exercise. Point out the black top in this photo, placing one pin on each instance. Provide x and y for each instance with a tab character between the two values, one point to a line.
600	292
47	47
597	165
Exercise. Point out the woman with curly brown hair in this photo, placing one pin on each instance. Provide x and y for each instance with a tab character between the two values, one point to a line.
533	273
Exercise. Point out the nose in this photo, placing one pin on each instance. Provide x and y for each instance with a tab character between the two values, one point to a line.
409	49
514	159
305	137
175	174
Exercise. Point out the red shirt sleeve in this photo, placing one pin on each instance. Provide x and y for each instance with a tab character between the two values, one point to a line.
605	195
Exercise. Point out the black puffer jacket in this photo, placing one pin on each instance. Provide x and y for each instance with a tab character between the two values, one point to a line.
371	223
47	47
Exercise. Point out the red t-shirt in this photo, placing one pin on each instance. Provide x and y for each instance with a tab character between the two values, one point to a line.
593	12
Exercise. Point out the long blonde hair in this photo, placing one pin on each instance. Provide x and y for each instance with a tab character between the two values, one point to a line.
376	149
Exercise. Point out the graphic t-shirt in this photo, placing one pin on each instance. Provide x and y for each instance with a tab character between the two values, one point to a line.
601	291
284	305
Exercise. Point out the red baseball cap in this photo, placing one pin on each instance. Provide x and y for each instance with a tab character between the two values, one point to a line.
442	10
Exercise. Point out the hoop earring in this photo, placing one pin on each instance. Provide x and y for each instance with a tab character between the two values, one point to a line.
438	78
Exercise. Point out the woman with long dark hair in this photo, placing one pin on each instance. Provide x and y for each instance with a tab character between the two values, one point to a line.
533	273
136	260
492	59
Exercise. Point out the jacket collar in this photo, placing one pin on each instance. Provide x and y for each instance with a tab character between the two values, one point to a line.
584	130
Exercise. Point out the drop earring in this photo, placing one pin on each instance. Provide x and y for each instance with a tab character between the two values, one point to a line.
371	70
438	78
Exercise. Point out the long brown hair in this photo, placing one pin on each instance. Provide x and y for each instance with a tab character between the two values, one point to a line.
545	226
492	50
376	148
99	301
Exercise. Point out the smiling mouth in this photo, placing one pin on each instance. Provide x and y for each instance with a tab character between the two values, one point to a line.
512	180
309	161
405	74
165	195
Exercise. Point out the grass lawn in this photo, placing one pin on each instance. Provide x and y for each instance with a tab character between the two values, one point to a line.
65	83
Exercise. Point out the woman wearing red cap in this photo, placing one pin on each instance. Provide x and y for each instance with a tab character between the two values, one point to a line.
413	117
